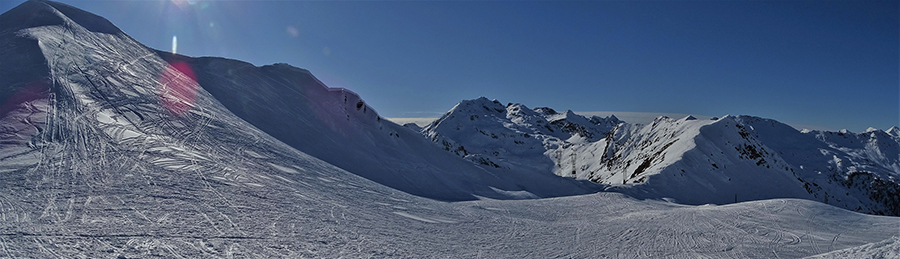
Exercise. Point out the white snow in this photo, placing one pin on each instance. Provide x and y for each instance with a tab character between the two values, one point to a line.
894	131
889	248
211	183
692	161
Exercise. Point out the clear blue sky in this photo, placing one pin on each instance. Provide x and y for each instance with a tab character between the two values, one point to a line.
823	64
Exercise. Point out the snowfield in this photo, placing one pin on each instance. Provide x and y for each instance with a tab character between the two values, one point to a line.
109	149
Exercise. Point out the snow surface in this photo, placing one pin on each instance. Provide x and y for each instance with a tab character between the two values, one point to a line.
889	248
113	150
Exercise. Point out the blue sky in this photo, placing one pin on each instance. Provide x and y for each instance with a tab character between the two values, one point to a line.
818	64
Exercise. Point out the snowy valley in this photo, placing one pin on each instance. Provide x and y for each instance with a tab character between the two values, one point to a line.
111	149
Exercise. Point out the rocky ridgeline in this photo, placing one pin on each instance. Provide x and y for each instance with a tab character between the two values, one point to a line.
689	160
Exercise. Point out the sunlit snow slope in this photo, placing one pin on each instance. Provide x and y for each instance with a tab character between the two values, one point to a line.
108	150
689	160
335	125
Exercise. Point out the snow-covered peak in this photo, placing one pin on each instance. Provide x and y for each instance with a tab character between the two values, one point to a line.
37	13
520	112
608	119
482	103
606	123
514	136
545	111
721	160
567	115
662	118
894	131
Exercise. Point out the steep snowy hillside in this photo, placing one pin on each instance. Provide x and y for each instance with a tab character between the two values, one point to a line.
689	160
108	150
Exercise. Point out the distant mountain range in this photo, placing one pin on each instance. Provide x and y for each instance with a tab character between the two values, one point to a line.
689	160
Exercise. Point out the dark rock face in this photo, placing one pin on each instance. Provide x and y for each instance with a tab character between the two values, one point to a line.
886	192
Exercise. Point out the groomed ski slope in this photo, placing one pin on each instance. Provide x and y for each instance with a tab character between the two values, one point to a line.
98	160
310	209
889	248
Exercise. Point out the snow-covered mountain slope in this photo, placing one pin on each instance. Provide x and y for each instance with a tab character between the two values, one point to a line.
693	161
512	137
893	131
285	102
336	125
108	150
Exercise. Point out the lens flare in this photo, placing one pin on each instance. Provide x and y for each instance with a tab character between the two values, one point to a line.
174	44
178	88
184	3
292	31
22	97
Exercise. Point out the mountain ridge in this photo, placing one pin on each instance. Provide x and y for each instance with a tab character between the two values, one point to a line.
268	104
688	160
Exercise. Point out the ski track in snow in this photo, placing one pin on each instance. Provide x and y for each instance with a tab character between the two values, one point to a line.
98	169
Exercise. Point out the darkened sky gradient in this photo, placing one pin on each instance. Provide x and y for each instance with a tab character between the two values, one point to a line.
819	64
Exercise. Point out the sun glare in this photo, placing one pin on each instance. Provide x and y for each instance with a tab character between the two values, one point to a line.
178	88
183	3
174	44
